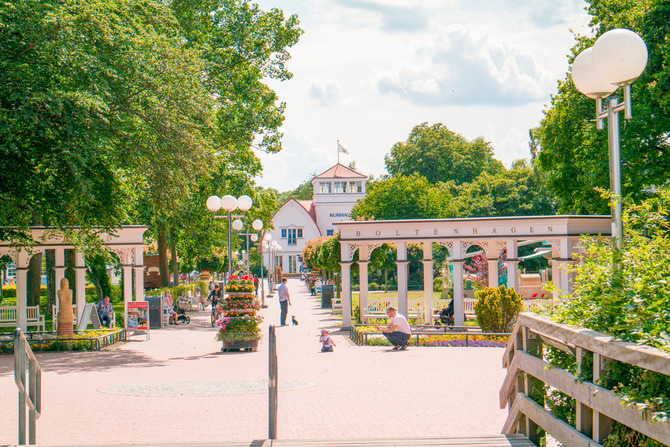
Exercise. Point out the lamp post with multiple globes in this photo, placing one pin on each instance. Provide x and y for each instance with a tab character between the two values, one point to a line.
229	204
617	59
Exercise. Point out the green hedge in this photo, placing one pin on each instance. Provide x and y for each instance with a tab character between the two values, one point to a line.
10	291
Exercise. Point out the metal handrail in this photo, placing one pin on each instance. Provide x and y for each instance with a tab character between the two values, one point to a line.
33	397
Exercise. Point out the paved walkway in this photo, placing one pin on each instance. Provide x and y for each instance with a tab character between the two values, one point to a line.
179	387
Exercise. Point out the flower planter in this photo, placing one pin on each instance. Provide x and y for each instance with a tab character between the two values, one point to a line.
246	346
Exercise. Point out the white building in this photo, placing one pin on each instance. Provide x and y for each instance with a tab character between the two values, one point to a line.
336	191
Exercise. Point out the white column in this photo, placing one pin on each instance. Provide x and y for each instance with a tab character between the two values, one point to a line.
363	297
458	291
139	274
59	273
556	277
428	298
428	291
80	284
127	284
346	294
512	264
139	283
402	264
493	273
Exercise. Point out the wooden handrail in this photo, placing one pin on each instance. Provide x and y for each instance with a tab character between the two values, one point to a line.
523	360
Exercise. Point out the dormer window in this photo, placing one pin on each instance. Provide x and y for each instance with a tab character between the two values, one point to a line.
324	187
355	187
340	187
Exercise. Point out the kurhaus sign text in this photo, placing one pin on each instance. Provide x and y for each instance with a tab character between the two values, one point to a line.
452	232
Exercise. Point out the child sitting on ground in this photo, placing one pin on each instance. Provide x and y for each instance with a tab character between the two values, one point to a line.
326	341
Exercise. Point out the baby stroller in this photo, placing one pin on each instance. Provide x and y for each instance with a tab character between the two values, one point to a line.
447	315
180	307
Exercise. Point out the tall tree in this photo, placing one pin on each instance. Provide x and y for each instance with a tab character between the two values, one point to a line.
574	154
441	155
404	197
521	191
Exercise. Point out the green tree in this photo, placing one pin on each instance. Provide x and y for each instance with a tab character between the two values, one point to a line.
404	197
441	155
574	154
520	191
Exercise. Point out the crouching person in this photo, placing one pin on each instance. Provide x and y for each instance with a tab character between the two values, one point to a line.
397	330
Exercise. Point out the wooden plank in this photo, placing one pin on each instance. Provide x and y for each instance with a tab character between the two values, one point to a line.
486	441
645	357
598	398
564	433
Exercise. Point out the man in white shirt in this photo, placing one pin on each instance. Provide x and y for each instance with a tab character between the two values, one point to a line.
398	330
284	300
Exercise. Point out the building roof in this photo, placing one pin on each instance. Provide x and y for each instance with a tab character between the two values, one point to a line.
339	171
309	207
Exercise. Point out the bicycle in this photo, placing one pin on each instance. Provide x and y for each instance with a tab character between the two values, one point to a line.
215	312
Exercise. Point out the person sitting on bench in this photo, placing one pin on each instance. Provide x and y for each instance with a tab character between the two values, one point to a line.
105	312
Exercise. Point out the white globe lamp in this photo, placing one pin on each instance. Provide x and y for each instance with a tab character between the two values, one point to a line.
620	56
254	237
214	203
587	80
244	203
257	225
228	203
237	225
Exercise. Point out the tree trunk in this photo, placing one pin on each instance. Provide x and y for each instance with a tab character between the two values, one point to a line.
34	279
70	273
162	257
51	278
386	280
173	250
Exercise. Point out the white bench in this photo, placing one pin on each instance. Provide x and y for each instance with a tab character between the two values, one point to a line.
8	316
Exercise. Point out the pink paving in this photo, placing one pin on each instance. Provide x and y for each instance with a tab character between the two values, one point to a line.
179	388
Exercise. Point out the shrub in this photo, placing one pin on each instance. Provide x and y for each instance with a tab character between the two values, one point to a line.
437	284
373	286
497	309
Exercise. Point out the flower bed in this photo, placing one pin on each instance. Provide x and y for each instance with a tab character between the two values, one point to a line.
369	336
89	340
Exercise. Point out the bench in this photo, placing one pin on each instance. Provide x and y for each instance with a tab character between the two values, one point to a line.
8	316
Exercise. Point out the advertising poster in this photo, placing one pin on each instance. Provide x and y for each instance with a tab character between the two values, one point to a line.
138	316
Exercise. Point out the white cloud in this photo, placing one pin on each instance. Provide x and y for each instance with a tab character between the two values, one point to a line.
325	92
367	71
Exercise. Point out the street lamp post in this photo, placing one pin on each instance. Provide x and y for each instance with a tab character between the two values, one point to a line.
229	204
617	59
267	237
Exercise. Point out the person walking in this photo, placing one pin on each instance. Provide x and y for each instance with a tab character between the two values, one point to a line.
397	331
284	300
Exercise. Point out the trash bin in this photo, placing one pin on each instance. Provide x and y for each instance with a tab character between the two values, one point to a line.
326	296
155	312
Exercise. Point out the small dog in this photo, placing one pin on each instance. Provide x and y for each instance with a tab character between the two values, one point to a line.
295	322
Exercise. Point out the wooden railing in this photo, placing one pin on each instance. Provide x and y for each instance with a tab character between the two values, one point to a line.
597	407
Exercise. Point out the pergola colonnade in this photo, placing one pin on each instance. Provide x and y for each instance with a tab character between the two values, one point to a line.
127	243
457	235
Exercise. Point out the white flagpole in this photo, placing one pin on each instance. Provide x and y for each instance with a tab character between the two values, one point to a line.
338	152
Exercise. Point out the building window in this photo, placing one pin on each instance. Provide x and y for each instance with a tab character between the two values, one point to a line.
355	187
283	233
299	233
330	232
324	187
293	264
292	236
340	187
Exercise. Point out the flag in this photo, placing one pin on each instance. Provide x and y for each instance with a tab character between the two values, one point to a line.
341	148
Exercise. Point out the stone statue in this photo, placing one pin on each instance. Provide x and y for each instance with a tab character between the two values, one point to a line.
65	314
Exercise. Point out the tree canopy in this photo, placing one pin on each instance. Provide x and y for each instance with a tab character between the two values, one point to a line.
404	197
574	154
441	155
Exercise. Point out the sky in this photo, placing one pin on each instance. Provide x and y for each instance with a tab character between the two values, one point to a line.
365	72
